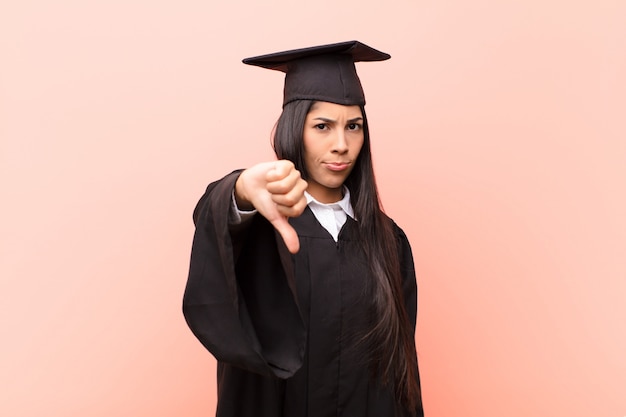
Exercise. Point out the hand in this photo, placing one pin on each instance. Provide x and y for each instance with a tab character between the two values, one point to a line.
276	190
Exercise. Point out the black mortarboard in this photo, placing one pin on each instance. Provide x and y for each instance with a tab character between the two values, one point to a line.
325	73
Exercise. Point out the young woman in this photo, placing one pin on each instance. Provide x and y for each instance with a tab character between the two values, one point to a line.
299	284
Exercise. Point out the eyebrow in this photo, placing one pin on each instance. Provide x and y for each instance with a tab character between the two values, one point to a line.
327	120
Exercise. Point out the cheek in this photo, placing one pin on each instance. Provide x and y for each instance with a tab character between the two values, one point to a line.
358	145
306	146
311	150
309	159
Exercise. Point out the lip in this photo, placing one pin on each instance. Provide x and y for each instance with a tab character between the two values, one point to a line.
337	166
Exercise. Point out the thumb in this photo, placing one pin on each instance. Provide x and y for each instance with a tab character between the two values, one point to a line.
288	233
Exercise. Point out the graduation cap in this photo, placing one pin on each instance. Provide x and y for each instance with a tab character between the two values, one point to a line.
324	73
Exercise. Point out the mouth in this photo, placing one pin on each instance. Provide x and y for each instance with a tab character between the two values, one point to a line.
337	166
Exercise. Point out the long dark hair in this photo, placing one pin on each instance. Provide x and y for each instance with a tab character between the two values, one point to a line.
391	338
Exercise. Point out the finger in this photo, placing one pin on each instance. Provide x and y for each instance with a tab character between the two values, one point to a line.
280	170
292	196
284	184
293	210
291	183
288	233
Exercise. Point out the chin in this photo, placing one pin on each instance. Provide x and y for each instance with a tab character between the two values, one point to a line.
333	185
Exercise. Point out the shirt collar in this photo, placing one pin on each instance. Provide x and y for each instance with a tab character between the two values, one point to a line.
344	203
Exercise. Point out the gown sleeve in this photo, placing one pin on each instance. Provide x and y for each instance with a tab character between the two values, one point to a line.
409	286
240	299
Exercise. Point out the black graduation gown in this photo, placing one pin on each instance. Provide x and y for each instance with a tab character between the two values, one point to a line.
285	328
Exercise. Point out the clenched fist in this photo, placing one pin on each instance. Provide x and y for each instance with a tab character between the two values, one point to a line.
276	190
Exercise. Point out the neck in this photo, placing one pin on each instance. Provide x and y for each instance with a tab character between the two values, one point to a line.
326	195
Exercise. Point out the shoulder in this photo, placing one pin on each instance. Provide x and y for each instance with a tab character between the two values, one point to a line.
404	250
217	192
397	230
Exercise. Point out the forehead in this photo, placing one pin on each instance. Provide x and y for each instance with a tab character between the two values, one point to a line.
332	109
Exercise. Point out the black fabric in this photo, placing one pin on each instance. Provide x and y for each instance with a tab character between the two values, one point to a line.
324	73
286	328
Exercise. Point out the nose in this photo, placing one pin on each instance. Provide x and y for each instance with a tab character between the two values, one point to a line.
340	145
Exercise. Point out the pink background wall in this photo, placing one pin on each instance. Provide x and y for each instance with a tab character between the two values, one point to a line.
500	147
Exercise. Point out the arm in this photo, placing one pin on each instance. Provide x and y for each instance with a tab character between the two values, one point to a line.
244	311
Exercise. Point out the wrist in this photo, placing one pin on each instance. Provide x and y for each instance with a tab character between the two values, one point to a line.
243	202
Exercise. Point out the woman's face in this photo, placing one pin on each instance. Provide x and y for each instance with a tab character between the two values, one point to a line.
333	136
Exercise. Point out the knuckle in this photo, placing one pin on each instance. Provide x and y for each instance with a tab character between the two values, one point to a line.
284	166
291	200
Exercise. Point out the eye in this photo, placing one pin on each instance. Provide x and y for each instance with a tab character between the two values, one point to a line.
320	126
354	126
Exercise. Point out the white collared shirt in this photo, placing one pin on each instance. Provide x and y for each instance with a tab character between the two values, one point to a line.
331	216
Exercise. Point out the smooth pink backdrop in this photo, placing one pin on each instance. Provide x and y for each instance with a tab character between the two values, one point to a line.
500	147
